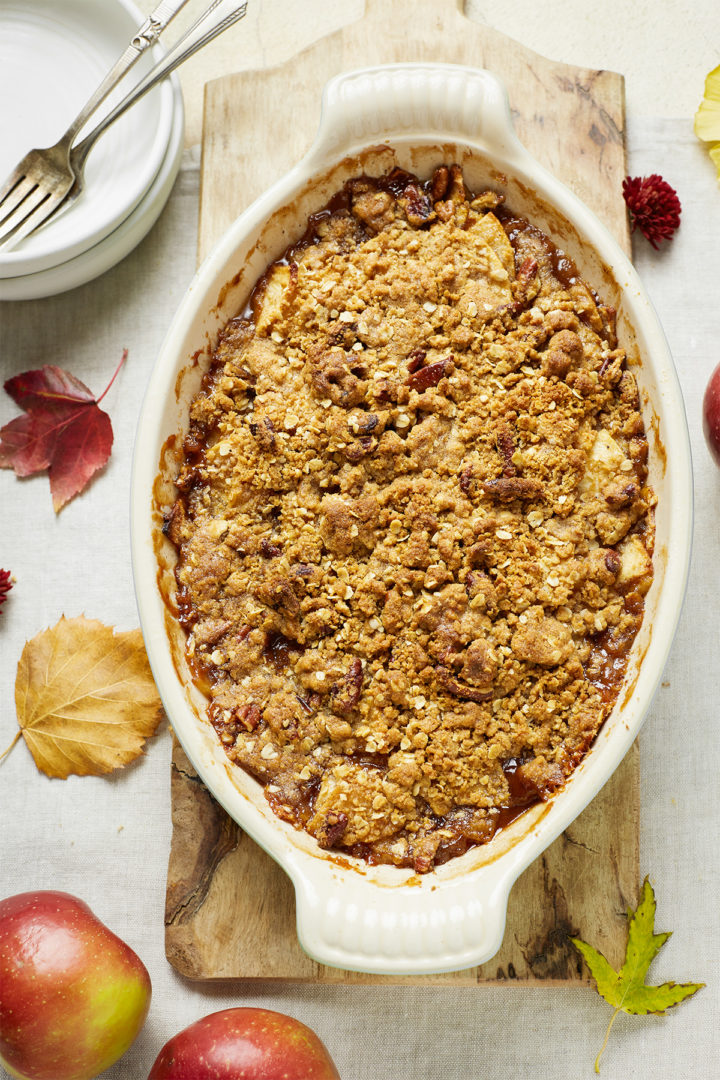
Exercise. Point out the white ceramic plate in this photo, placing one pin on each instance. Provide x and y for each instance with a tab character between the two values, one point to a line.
101	257
349	914
53	55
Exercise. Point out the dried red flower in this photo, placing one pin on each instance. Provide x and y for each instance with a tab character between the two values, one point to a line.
654	206
6	584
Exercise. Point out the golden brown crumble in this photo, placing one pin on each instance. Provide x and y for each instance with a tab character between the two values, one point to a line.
414	527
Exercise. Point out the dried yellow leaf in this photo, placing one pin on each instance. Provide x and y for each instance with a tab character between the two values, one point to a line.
85	698
707	118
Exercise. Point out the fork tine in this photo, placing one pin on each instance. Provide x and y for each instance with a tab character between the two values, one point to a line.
37	206
10	184
14	178
32	221
31	199
16	193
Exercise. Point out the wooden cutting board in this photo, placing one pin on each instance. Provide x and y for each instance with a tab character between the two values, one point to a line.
230	908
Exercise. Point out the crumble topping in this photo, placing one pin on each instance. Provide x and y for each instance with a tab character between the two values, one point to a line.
414	527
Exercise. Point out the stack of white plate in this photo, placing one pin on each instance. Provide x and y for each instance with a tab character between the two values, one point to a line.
53	55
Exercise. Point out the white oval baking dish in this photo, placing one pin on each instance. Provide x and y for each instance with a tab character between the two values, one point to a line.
351	915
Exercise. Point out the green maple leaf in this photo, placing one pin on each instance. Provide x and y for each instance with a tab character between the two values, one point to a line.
625	989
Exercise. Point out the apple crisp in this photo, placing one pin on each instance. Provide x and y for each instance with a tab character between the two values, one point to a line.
414	528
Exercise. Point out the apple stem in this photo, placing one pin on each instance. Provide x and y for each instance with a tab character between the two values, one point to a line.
6	752
123	358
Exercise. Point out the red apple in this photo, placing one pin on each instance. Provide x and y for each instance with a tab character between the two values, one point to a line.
711	415
257	1044
73	996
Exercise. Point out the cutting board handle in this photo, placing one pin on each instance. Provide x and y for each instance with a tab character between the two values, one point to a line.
375	104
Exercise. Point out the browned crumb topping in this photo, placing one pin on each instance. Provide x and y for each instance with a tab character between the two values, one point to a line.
414	527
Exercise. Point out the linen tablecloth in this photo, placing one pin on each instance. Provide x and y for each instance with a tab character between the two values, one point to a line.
107	840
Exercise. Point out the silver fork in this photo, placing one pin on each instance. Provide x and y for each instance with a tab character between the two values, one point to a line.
49	179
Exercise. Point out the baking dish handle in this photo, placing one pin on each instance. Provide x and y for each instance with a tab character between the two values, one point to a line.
372	105
345	920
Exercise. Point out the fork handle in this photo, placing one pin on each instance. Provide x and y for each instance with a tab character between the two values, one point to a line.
220	15
144	38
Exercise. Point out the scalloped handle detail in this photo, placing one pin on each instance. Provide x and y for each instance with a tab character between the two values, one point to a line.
435	100
360	926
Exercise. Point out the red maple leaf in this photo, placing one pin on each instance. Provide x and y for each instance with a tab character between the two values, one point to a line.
63	430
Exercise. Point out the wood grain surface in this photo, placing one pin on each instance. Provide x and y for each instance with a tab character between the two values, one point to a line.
230	909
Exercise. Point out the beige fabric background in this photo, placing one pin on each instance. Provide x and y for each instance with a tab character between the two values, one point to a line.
107	840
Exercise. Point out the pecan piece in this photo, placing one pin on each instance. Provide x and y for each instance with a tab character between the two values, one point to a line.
445	209
249	716
264	432
423	863
269	550
360	448
611	368
508	488
387	390
332	378
345	695
465	480
174	525
363	424
417	206
613	562
186	479
506	448
194	441
329	833
467	693
457	189
242	716
426	377
310	704
244	373
488	201
608	319
621	495
526	285
304	573
439	183
416	359
449	192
